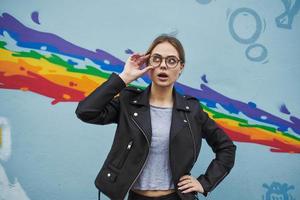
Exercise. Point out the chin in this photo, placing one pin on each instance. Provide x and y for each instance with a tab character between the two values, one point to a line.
163	84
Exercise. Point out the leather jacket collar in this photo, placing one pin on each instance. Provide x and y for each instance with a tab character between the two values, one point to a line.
180	102
141	112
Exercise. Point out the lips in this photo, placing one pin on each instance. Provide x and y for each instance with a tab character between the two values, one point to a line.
162	75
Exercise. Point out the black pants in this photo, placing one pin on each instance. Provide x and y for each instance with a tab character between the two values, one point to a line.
135	196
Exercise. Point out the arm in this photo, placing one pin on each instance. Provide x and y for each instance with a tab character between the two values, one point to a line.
224	150
101	106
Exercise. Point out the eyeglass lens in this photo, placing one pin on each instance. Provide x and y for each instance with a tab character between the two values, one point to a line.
170	61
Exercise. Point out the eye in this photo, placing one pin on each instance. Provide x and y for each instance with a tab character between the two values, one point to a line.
172	60
156	58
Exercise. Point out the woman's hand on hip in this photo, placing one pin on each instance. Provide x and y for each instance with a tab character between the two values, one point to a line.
189	184
132	69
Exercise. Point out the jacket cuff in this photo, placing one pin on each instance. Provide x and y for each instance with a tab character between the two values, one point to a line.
118	81
205	184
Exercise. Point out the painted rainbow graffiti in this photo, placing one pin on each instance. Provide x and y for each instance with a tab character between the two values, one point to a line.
48	65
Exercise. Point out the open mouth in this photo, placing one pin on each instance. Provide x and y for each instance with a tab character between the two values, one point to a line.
162	75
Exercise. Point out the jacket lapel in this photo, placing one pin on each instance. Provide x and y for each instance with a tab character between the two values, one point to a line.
141	113
179	121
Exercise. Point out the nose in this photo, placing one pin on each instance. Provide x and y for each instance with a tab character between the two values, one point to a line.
163	64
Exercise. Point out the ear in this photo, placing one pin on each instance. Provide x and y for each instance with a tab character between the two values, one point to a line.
181	68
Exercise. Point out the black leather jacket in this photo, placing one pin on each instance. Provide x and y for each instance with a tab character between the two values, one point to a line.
131	111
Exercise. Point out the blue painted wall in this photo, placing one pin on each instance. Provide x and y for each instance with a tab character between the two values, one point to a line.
248	50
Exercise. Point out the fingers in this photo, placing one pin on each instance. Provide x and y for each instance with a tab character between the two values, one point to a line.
189	190
185	177
146	69
136	56
187	184
139	58
145	57
184	182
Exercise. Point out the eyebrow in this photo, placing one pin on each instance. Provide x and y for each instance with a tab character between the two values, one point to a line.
162	56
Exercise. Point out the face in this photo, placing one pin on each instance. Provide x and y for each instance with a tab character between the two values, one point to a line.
164	76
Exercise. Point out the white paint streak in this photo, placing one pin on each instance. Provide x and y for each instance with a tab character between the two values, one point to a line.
10	191
5	147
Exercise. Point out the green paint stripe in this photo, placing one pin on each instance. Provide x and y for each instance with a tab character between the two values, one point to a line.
267	128
2	45
218	115
291	136
31	54
54	59
244	123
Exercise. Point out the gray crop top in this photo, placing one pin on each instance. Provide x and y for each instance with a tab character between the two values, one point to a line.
156	174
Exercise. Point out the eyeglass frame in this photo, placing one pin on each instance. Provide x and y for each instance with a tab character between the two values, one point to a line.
164	58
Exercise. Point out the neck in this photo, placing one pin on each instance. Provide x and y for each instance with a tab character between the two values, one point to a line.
161	96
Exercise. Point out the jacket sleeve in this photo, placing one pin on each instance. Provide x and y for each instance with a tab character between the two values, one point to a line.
102	105
224	150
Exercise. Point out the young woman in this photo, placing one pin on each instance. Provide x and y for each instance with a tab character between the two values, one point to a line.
159	131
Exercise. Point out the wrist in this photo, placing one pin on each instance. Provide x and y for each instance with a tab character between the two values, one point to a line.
125	78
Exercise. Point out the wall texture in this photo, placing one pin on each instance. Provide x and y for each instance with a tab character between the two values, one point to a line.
242	64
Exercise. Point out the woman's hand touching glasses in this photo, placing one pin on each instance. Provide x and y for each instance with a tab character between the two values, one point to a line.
132	69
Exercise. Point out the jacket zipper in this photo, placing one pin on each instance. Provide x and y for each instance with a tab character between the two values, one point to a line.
146	157
194	145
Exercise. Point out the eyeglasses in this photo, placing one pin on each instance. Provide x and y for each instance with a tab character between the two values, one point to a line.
170	61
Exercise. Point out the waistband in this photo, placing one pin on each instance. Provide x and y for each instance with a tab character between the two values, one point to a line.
137	196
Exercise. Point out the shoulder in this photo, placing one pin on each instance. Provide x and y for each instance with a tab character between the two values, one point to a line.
131	91
190	98
193	102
